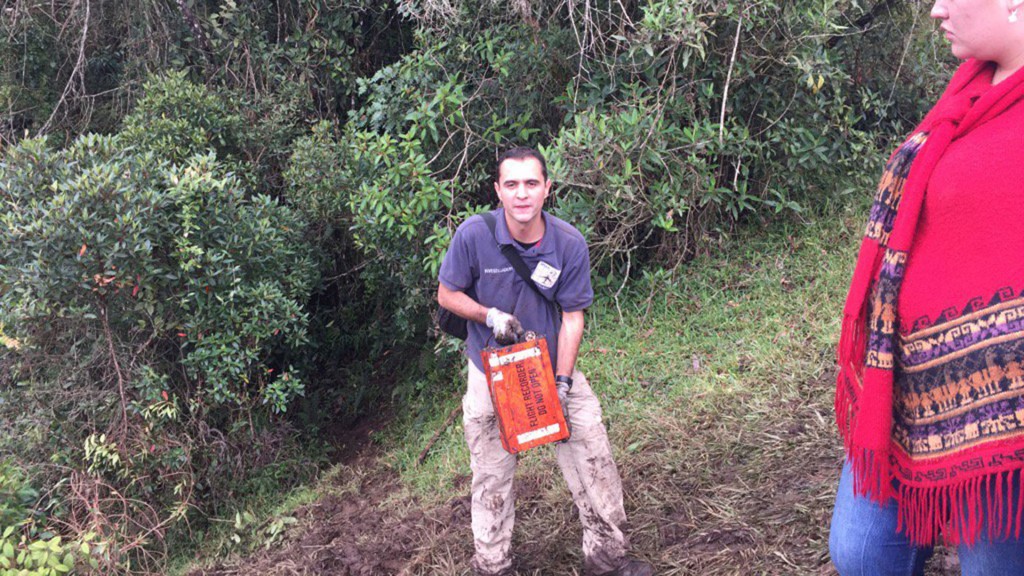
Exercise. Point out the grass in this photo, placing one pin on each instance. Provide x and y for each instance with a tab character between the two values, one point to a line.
256	522
716	381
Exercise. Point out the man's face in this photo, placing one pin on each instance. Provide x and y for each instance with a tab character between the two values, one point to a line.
522	189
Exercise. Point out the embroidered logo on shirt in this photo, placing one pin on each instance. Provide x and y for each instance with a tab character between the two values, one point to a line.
497	270
545	274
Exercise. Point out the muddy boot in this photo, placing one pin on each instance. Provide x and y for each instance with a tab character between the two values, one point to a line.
632	567
510	571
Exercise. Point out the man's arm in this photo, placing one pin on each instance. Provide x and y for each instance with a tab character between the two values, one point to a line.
506	328
569	338
461	304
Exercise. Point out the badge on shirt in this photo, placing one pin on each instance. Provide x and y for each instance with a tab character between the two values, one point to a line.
545	274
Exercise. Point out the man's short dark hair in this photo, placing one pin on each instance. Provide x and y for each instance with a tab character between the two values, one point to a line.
520	153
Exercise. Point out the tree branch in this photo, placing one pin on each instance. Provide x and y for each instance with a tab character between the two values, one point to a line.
728	78
864	21
76	72
117	369
197	30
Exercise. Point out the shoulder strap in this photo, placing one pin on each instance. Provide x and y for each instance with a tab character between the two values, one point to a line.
512	255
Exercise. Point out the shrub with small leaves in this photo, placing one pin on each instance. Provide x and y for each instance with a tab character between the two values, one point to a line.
152	302
178	119
380	193
24	556
697	114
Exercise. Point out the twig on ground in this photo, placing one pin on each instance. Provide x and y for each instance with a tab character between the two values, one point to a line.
447	422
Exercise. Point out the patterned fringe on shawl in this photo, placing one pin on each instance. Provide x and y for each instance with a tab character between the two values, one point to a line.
849	357
871	475
993	504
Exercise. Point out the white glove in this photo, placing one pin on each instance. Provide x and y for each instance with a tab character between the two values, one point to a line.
507	329
563	398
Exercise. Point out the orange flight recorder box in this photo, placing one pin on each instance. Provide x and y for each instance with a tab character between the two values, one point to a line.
522	386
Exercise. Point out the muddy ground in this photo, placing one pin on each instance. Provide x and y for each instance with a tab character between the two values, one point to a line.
742	485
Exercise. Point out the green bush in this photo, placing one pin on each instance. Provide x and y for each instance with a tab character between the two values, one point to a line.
141	254
33	557
17	496
178	119
466	97
372	204
700	114
153	304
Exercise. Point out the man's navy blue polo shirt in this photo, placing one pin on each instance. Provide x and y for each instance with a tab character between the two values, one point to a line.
560	263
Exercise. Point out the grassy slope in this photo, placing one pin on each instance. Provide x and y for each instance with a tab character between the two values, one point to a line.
716	382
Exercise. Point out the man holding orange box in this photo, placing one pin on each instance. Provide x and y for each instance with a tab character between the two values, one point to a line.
478	283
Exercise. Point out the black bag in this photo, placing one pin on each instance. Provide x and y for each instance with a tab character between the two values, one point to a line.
451	323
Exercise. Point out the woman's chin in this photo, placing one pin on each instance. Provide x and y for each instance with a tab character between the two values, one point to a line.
960	52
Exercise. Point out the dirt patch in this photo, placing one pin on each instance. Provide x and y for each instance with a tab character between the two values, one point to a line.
354	532
367	533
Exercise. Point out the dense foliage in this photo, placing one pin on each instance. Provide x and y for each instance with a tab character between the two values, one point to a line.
220	218
149	304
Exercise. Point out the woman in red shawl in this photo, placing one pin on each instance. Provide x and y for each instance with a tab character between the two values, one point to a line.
930	393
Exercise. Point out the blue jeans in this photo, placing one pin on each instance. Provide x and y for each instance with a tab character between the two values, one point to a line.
863	541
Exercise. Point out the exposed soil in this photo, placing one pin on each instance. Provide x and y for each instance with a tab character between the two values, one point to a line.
346	534
712	492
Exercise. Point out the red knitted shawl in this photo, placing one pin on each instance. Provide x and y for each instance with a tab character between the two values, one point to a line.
950	490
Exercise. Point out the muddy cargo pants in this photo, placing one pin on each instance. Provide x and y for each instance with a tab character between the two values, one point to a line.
586	463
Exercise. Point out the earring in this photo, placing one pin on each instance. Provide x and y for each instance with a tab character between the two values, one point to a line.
1013	17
